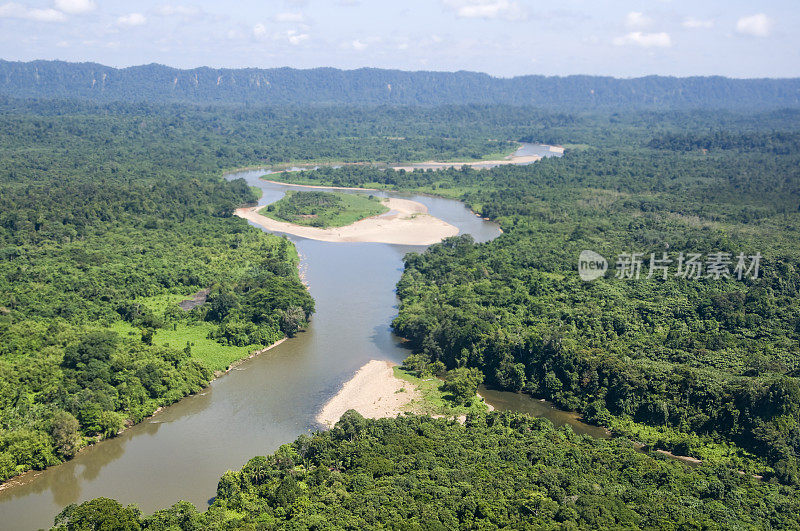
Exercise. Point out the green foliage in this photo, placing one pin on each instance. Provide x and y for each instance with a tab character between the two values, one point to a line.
147	83
463	383
65	430
292	320
499	471
710	362
101	514
323	209
433	399
97	249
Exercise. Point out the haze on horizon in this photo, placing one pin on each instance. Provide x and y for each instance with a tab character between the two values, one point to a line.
506	38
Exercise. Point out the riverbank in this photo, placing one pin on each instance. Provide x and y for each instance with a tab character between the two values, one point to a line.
30	475
479	164
323	187
374	392
381	389
512	158
406	223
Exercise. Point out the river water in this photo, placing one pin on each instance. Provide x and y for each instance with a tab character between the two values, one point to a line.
181	452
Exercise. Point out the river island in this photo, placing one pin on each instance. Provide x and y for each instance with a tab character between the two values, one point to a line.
406	223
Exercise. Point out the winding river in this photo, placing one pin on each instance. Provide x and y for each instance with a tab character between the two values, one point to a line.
181	452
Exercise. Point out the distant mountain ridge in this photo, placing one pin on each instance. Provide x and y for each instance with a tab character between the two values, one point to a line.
372	86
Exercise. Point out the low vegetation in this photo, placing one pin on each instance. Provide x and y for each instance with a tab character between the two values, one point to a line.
324	209
444	394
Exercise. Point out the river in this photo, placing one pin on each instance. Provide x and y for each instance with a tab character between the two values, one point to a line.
181	452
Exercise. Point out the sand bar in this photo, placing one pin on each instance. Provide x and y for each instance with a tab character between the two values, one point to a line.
374	392
406	223
323	187
480	164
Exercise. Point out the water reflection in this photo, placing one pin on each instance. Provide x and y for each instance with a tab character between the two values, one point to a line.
521	403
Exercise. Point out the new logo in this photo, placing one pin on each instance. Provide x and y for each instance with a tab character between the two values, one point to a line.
591	266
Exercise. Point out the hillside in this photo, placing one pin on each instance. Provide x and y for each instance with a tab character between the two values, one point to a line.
158	83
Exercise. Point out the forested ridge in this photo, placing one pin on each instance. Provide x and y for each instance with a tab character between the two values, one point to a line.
371	86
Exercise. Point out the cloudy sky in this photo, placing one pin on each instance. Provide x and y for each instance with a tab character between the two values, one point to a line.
502	37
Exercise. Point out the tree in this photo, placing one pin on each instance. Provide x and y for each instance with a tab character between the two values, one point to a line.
94	346
292	320
463	383
65	430
147	336
101	514
221	305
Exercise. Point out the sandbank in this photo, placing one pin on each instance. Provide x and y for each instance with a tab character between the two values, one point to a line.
406	223
374	392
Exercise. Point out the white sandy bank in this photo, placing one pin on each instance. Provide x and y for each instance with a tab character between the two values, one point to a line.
406	223
374	392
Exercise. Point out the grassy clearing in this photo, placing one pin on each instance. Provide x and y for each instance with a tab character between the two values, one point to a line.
213	355
324	209
434	401
258	191
210	353
710	451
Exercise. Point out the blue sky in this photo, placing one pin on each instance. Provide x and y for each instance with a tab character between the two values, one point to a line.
502	37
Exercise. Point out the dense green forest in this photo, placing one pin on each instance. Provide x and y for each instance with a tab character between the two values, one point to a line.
101	213
372	86
498	471
324	209
110	213
706	361
701	366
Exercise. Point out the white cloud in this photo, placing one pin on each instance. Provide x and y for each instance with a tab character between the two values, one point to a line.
486	9
14	10
289	17
696	23
645	40
637	20
358	45
169	10
132	19
260	30
75	7
759	25
296	38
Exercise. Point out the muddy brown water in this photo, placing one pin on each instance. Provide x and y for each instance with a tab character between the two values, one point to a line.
181	452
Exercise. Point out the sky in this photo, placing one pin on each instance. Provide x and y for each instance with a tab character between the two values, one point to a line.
622	38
